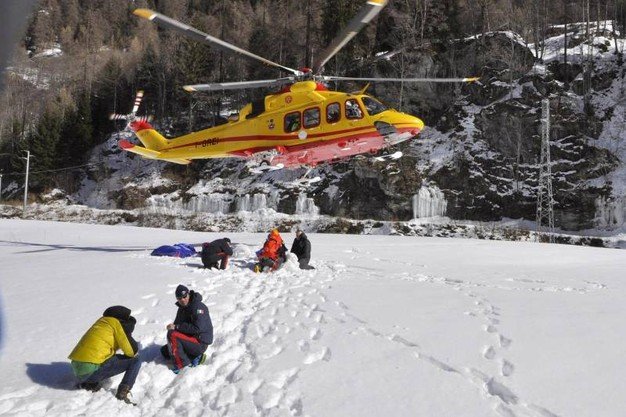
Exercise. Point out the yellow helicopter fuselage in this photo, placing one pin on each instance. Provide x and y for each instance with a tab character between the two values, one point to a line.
304	124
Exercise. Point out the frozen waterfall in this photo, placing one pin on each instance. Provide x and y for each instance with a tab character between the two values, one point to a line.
429	202
610	213
206	203
257	202
306	205
210	203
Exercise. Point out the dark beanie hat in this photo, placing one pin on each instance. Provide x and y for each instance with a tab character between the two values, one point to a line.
181	291
118	312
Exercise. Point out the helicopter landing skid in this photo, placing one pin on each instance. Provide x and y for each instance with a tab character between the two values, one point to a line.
265	168
261	162
395	138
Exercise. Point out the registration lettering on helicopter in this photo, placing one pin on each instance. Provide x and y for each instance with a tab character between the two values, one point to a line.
208	142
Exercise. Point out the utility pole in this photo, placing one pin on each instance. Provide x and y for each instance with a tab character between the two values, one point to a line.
26	182
0	185
545	202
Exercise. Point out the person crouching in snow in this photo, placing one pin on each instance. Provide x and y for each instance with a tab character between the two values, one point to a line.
273	253
301	247
94	358
217	251
191	333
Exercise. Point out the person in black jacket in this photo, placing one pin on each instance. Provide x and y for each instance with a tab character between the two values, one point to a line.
191	333
217	251
301	247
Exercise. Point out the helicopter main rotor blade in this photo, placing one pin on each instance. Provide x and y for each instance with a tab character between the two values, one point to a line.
410	80
168	22
367	13
239	85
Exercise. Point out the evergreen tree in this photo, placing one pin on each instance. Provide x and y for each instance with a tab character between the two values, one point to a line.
112	96
42	144
77	133
261	43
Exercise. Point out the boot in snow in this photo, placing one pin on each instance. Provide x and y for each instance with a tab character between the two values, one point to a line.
90	386
198	360
123	391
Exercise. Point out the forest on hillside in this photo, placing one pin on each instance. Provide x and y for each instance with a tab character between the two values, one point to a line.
81	60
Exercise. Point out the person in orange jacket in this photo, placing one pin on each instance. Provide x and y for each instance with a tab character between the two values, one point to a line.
273	253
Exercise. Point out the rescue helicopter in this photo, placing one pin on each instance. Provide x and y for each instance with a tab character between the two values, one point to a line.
302	124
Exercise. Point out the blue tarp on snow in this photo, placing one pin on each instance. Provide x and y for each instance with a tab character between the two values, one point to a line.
179	250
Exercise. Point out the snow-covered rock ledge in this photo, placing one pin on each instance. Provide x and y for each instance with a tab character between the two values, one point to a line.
260	222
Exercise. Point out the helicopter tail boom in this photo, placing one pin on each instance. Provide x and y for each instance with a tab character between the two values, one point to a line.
150	154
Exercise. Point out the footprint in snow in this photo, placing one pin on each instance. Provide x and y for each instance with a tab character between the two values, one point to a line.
489	352
504	342
323	354
304	346
315	334
271	353
489	328
227	396
507	368
285	378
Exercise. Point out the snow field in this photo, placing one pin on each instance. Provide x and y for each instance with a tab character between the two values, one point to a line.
385	325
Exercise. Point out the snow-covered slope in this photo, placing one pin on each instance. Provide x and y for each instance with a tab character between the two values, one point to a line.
386	325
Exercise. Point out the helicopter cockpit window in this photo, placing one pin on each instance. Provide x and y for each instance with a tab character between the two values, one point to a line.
333	113
311	117
353	110
373	106
292	122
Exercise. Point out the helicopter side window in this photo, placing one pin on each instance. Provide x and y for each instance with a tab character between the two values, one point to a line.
333	113
353	110
311	117
372	106
292	122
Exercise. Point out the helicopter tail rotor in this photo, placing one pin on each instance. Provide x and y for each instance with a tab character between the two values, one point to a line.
132	116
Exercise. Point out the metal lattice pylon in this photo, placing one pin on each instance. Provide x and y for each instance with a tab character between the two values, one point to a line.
545	201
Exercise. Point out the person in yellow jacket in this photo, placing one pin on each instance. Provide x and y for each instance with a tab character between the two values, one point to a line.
94	358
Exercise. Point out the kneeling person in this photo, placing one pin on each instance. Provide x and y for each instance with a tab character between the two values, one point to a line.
191	333
94	358
301	247
217	251
273	254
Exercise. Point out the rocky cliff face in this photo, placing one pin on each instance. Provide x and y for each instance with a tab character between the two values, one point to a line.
481	149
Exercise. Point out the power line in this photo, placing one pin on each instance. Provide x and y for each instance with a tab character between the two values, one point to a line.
55	170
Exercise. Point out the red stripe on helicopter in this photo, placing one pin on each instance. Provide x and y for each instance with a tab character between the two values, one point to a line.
279	137
342	142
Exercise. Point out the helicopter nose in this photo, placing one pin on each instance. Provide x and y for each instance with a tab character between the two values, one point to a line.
417	124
